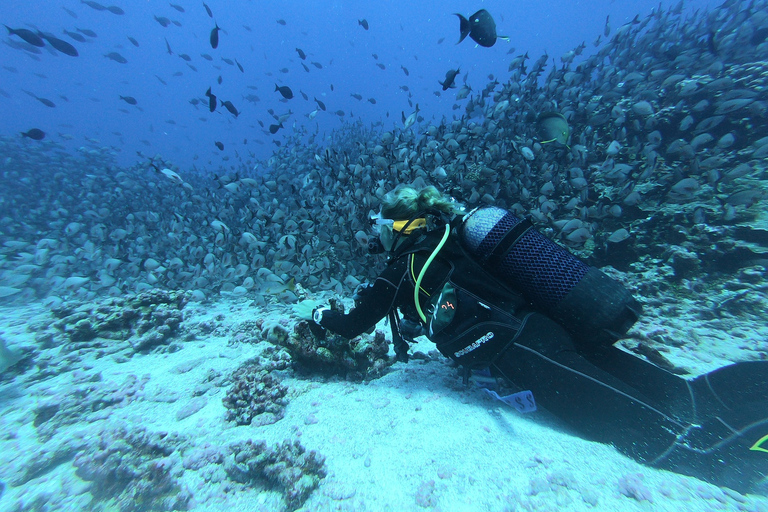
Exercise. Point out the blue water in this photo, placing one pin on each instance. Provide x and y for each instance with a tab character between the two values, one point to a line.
86	89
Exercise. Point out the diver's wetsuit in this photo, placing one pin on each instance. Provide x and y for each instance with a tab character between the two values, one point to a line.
704	427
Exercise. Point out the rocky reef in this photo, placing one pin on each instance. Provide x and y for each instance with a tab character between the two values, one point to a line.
257	394
288	466
364	357
135	470
145	321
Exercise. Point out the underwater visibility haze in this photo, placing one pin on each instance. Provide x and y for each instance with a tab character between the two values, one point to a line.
178	176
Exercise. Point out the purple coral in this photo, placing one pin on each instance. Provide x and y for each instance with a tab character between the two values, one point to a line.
136	469
288	466
256	392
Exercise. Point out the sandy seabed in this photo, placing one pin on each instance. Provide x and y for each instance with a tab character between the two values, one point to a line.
415	438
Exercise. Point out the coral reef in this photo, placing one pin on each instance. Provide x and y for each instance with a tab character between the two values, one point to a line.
288	466
145	321
364	357
256	392
134	470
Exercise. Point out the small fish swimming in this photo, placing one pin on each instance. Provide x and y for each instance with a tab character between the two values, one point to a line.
74	35
450	76
320	104
168	46
115	10
363	23
480	27
178	7
93	5
116	57
211	100
285	91
317	65
62	46
208	10
215	36
302	55
372	101
27	35
86	31
229	106
34	134
274	127
552	127
163	21
129	100
281	22
219	145
133	41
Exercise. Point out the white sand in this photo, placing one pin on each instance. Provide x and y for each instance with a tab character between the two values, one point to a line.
413	439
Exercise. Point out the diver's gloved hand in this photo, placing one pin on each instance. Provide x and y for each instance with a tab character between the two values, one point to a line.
317	330
305	308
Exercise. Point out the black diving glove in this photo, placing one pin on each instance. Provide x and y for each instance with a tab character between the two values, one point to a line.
317	330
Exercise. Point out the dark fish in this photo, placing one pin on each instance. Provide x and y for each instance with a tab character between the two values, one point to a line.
133	41
375	56
86	31
129	100
404	88
331	87
356	96
161	80
372	101
178	73
115	10
163	21
281	22
185	57
340	113
284	70
34	134
46	102
228	61
116	57
211	100
177	23
229	106
178	7
75	36
26	35
552	127
208	10
246	27
206	56
450	76
440	41
382	66
480	27
274	127
71	13
320	104
305	67
215	36
62	46
302	55
219	80
285	91
405	70
317	65
219	144
304	95
239	66
93	5
363	23
607	29
168	46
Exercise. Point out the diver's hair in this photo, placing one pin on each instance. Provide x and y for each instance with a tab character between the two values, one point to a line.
405	201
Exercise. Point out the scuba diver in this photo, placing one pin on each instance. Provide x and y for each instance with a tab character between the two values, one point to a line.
493	293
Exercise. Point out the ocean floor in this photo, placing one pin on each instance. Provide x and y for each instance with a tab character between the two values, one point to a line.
107	424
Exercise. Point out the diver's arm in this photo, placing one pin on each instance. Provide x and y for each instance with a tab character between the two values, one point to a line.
374	304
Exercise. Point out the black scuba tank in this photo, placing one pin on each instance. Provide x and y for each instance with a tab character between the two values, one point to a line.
593	307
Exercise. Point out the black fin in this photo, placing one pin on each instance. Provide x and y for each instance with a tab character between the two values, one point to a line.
464	27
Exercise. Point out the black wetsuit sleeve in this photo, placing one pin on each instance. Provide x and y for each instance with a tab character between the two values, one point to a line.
373	306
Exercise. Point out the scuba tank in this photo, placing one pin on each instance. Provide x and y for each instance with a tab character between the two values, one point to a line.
593	307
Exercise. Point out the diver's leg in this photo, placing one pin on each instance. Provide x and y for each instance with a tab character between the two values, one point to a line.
727	449
595	403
